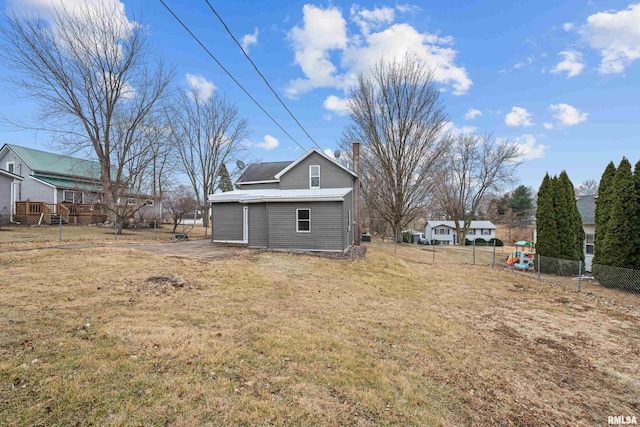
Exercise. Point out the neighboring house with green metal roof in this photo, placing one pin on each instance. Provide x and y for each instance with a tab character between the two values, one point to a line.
52	178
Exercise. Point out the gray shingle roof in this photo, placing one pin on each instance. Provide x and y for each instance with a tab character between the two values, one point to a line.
587	208
262	171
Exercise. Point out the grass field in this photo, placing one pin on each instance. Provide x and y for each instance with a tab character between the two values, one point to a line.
280	339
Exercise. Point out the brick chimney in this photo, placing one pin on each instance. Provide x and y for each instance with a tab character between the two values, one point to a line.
356	194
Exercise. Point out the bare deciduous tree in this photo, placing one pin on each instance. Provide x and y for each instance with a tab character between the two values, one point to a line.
475	166
398	117
207	132
588	187
92	74
180	201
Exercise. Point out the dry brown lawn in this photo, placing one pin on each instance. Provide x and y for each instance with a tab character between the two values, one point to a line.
24	238
280	339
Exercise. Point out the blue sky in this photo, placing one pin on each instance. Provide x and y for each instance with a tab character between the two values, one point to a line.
560	78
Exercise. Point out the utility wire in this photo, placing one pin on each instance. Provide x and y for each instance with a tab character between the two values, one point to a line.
258	71
229	74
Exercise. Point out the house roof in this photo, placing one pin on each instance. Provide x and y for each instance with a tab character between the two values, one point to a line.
262	171
58	164
10	175
587	208
307	154
273	195
69	184
452	224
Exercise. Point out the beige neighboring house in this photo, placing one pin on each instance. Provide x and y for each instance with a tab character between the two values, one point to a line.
587	209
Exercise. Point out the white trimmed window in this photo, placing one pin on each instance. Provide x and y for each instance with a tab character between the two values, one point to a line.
150	202
303	220
70	196
588	244
11	167
486	232
472	231
314	176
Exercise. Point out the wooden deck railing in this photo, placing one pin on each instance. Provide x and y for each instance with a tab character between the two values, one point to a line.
39	212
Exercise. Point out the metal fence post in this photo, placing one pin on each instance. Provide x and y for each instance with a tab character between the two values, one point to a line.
579	275
155	229
493	263
474	251
539	259
60	222
434	252
115	229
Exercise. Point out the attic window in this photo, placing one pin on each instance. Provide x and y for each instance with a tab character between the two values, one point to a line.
314	176
11	167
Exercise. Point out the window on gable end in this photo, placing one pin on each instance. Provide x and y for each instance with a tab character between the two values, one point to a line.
314	176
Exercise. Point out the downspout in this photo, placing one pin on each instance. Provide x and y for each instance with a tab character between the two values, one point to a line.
356	194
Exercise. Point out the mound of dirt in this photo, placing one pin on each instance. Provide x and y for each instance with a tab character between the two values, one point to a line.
160	284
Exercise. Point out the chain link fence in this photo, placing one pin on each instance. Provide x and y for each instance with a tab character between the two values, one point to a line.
600	276
571	274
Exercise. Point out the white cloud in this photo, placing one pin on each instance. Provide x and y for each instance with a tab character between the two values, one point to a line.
518	117
337	105
324	33
572	63
548	125
269	143
200	86
367	19
323	30
451	128
616	35
530	60
472	114
567	26
407	8
568	115
249	40
530	148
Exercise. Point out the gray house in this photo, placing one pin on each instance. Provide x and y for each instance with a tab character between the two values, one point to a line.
587	208
9	183
306	204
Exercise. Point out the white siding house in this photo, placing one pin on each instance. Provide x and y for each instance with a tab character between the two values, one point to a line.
444	232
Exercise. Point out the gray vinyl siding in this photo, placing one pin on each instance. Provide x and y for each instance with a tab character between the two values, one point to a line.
348	228
258	233
5	196
20	168
326	226
227	221
35	191
265	186
331	175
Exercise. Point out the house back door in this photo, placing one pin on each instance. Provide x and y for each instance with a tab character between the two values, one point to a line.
245	224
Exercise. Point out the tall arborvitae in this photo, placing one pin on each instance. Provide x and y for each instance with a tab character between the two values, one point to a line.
636	217
224	183
546	229
603	209
564	219
617	248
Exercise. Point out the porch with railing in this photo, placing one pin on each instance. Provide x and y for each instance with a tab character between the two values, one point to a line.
40	213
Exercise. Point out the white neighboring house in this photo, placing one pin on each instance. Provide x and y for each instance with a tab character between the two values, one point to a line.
445	231
587	209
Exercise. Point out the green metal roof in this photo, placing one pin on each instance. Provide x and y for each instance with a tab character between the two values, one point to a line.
70	184
58	164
